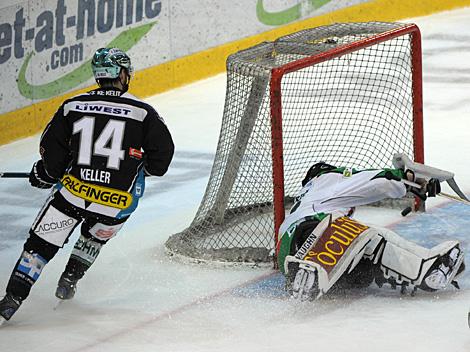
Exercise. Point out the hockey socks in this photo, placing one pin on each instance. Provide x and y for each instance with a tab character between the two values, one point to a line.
84	254
36	254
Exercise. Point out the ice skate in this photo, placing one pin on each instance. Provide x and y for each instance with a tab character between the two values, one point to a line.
66	287
8	306
304	287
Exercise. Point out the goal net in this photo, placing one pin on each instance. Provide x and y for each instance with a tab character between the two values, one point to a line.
348	94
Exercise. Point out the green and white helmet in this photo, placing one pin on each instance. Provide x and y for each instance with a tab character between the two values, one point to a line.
108	62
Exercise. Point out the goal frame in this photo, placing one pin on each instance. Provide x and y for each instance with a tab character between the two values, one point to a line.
276	106
280	95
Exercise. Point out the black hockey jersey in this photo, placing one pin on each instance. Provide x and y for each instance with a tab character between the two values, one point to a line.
100	144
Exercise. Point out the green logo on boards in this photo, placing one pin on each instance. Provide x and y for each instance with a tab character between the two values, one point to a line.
125	41
288	15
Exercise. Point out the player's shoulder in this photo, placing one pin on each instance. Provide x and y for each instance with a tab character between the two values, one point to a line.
132	99
130	96
152	112
137	101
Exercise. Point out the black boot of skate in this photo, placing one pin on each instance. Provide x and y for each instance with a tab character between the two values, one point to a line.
443	272
66	287
8	306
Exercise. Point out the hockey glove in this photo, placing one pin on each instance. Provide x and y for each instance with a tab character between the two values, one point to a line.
433	187
410	175
39	178
430	189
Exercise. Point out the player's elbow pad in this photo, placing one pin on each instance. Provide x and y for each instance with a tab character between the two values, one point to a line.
157	165
154	171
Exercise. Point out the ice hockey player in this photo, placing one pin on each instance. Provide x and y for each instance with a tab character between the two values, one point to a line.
323	249
95	153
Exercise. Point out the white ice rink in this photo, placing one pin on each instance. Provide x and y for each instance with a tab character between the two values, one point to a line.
135	299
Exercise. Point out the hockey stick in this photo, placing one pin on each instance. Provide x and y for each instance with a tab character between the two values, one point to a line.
408	210
441	194
452	197
451	182
401	161
14	174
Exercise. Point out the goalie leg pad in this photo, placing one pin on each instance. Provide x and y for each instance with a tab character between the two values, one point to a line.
333	249
444	270
408	264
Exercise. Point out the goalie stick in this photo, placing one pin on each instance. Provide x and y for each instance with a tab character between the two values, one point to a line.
451	182
452	197
428	172
401	161
442	194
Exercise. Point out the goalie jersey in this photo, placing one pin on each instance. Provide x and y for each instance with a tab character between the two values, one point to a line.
100	145
343	189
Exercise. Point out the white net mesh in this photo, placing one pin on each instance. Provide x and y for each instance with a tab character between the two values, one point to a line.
352	110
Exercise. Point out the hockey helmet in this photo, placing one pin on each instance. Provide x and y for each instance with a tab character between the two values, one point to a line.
316	170
108	62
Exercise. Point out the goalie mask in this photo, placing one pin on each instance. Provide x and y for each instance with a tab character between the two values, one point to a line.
317	170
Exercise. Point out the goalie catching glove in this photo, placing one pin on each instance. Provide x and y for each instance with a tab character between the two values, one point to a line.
39	178
433	187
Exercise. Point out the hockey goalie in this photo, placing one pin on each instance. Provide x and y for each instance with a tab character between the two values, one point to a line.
322	248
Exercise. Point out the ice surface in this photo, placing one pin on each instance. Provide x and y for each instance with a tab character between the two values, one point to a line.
136	299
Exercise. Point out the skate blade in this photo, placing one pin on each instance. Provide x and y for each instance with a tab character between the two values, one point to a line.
58	303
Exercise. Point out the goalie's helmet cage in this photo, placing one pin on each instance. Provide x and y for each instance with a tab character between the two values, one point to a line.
348	94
